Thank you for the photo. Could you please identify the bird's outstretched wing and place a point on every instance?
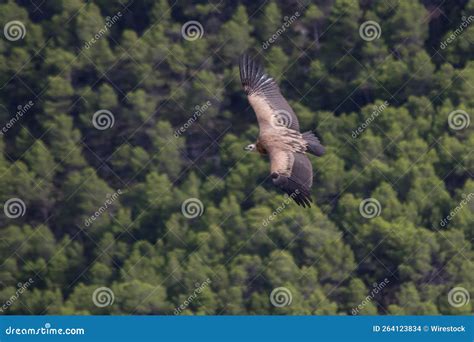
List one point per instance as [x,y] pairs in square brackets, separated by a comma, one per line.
[293,173]
[264,95]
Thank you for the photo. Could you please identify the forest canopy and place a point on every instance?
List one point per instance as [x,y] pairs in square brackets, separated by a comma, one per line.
[126,190]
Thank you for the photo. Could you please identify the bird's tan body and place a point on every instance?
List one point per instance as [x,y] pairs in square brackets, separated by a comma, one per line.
[280,140]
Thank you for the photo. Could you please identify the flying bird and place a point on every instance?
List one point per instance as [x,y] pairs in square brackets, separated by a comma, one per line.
[279,133]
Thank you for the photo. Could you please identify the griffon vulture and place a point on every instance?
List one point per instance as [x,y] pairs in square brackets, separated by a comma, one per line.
[279,135]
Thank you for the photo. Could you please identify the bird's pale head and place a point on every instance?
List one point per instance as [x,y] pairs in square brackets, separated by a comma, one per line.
[250,148]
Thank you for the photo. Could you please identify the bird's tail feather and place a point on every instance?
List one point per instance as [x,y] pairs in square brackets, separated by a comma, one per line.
[314,145]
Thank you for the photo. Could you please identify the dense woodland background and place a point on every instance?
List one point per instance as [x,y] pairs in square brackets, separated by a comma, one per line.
[143,71]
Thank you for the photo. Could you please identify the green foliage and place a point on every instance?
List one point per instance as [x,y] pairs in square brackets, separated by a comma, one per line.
[104,208]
